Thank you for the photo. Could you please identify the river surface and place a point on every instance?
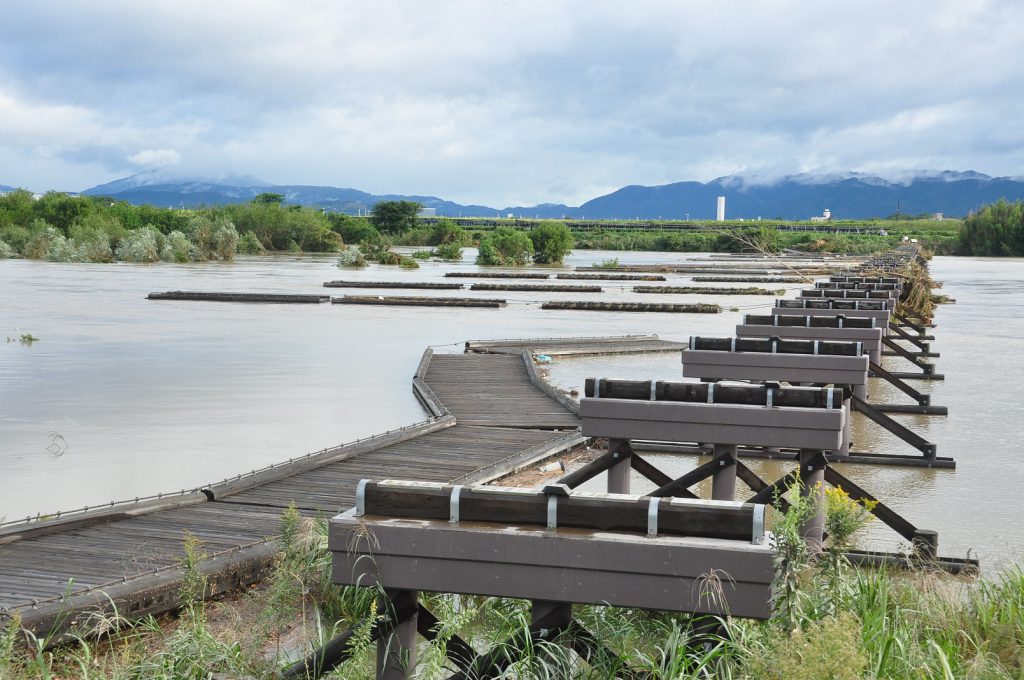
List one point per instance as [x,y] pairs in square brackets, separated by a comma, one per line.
[124,397]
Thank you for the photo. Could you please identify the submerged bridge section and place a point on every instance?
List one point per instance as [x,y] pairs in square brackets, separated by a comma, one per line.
[489,415]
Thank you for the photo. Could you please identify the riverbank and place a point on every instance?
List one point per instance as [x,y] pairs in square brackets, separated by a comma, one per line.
[869,624]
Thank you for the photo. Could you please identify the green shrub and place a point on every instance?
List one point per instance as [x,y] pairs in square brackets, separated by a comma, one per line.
[423,254]
[394,217]
[248,244]
[389,258]
[142,245]
[830,649]
[997,229]
[6,251]
[447,232]
[16,237]
[352,229]
[552,241]
[450,252]
[505,246]
[375,246]
[408,263]
[351,257]
[177,248]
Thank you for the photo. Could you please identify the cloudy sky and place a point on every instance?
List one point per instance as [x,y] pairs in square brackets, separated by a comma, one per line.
[506,102]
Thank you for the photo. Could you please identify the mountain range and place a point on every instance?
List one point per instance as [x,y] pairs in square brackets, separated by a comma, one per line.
[847,195]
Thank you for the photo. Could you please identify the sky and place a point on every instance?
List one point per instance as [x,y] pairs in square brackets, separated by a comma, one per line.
[506,102]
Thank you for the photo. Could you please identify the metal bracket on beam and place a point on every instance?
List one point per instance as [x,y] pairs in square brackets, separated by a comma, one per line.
[453,506]
[361,497]
[757,537]
[652,517]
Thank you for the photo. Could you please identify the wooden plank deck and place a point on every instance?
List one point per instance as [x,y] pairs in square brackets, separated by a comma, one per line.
[52,570]
[623,344]
[468,385]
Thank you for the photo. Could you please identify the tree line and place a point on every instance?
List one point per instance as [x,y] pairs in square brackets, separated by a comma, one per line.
[67,228]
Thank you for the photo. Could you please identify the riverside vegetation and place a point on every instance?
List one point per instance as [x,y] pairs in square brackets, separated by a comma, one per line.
[831,621]
[65,228]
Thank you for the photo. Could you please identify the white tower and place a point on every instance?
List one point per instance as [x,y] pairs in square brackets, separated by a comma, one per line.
[721,209]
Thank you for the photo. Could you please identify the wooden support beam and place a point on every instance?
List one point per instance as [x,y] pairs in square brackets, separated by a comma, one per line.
[918,341]
[458,651]
[883,512]
[769,493]
[689,479]
[598,655]
[753,395]
[921,398]
[334,653]
[777,346]
[593,468]
[645,468]
[756,484]
[527,507]
[545,624]
[917,441]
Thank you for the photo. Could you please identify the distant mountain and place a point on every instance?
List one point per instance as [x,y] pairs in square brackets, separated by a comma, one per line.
[847,195]
[4,188]
[851,196]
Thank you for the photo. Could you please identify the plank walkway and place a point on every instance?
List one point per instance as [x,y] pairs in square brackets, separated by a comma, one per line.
[622,344]
[494,418]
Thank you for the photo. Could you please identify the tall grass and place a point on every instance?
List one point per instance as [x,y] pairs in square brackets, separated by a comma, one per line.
[883,624]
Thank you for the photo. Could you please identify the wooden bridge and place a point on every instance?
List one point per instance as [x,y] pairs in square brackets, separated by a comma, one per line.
[489,415]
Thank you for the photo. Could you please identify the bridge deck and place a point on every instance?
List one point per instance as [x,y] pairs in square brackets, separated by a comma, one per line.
[494,390]
[501,418]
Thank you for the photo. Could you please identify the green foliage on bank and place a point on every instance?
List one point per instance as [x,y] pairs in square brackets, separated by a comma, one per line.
[65,228]
[831,621]
[505,247]
[394,217]
[996,230]
[552,241]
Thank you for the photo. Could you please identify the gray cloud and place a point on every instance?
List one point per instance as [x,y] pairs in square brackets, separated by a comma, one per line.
[510,102]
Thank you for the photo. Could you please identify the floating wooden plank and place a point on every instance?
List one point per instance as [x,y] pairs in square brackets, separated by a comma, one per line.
[497,275]
[412,285]
[613,277]
[404,301]
[275,298]
[698,290]
[749,279]
[553,288]
[580,346]
[700,308]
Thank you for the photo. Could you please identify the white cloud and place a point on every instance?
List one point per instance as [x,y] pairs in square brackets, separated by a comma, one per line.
[521,101]
[155,158]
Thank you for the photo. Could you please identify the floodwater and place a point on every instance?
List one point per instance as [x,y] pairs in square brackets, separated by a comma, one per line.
[123,396]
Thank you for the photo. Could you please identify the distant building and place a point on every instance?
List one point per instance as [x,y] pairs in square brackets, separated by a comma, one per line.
[720,216]
[938,216]
[427,212]
[825,216]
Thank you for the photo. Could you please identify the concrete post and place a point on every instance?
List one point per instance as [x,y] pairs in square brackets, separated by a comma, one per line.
[812,483]
[723,482]
[875,357]
[861,391]
[618,474]
[396,651]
